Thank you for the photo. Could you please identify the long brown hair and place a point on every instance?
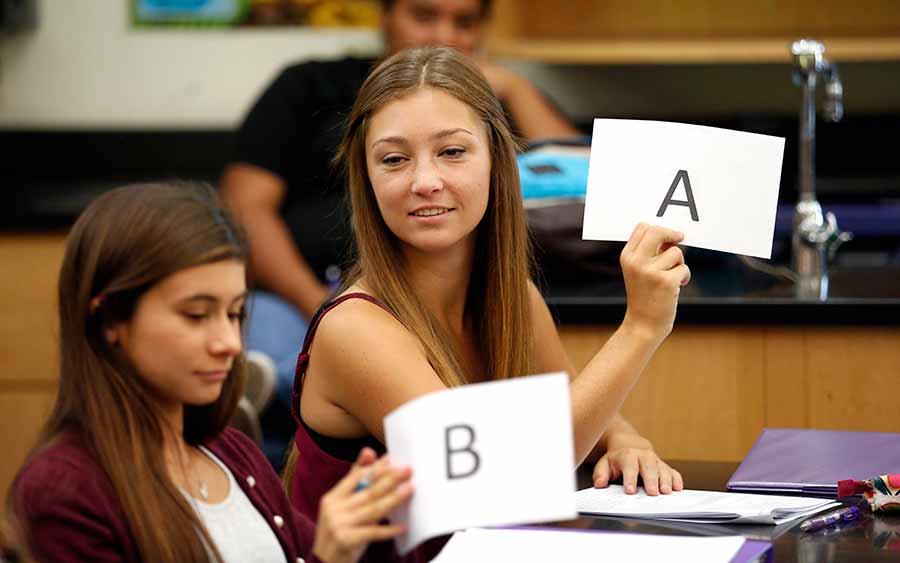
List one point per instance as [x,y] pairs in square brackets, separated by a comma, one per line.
[497,301]
[125,242]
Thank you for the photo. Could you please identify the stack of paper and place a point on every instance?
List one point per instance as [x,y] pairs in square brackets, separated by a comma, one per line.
[574,546]
[706,507]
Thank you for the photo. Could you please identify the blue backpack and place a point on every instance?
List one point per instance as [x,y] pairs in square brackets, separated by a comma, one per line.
[554,176]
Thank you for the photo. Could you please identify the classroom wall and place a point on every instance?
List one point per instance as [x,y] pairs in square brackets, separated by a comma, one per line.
[86,67]
[704,90]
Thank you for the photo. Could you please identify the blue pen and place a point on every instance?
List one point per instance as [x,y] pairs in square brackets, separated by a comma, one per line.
[841,515]
[364,483]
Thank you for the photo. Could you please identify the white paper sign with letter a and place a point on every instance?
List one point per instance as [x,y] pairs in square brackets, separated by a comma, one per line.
[486,454]
[719,187]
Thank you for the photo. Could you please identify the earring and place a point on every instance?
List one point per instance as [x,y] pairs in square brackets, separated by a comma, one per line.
[111,337]
[95,304]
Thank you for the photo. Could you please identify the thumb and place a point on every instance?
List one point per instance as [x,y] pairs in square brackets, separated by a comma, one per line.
[366,456]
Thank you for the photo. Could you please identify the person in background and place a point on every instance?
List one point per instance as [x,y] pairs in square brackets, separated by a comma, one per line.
[282,188]
[135,462]
[441,292]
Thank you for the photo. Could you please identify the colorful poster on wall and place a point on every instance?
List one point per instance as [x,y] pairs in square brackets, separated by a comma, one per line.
[227,13]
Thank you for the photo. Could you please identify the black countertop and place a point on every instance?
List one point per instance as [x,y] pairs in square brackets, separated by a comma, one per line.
[727,289]
[49,176]
[737,311]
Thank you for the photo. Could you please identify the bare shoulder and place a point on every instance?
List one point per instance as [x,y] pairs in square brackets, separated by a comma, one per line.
[359,337]
[359,321]
[540,314]
[534,294]
[364,361]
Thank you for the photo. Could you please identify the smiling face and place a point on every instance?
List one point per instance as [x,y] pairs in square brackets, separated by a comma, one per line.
[429,164]
[186,332]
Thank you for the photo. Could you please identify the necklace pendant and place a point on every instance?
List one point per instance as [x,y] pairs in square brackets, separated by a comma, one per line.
[204,492]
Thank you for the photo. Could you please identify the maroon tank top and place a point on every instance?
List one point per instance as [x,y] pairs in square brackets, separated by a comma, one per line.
[317,471]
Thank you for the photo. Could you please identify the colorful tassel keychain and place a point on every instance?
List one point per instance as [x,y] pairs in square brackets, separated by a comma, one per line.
[882,492]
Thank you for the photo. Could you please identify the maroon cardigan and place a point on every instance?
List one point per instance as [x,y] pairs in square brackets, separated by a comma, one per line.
[69,507]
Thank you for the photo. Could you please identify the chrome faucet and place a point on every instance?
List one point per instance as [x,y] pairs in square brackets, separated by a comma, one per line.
[815,237]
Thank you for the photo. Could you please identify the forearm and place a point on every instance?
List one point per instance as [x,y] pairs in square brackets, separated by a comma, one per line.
[278,266]
[534,116]
[601,388]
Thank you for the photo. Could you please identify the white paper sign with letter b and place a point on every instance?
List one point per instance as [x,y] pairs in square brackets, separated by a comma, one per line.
[717,186]
[488,454]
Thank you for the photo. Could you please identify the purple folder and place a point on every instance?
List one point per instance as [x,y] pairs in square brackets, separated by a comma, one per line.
[754,551]
[813,461]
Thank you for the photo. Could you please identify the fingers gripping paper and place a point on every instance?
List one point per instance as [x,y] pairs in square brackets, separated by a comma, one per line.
[472,452]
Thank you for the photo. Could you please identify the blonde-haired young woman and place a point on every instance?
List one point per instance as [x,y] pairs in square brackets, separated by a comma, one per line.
[441,293]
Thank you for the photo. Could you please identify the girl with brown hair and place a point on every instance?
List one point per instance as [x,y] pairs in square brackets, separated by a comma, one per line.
[441,293]
[136,462]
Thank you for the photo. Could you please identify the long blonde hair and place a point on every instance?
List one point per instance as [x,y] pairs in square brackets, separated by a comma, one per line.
[124,243]
[497,301]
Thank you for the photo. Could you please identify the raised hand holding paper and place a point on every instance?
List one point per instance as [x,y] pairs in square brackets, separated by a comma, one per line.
[717,186]
[471,450]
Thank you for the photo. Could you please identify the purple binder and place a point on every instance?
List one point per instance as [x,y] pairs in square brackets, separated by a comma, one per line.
[754,551]
[813,461]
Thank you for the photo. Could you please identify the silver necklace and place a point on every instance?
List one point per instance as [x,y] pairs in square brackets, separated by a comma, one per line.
[202,489]
[201,484]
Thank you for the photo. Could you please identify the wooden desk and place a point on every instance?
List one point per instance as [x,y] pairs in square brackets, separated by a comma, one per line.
[745,355]
[29,265]
[870,539]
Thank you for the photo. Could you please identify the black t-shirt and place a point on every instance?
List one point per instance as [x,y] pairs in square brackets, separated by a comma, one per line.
[293,130]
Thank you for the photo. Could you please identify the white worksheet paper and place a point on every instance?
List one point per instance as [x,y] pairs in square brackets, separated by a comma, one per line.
[734,178]
[572,546]
[526,454]
[708,507]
